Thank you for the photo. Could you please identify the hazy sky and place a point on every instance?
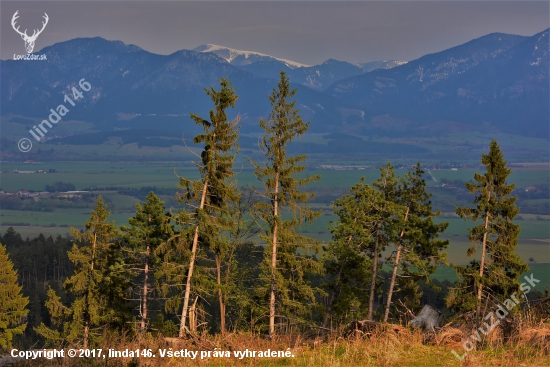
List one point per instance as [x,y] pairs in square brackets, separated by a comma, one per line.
[304,31]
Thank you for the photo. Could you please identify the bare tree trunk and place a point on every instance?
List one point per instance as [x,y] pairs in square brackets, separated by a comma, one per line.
[220,295]
[482,263]
[274,259]
[86,334]
[374,273]
[193,316]
[191,267]
[395,267]
[392,283]
[145,290]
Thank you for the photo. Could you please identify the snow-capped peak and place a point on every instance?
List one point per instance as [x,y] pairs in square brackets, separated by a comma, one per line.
[233,56]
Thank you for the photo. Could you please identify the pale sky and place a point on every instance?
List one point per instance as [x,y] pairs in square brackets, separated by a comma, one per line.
[308,32]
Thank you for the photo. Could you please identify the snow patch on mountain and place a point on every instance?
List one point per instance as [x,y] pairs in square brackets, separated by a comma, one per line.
[231,54]
[382,64]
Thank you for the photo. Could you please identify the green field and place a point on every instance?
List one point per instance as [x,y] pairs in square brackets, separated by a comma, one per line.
[522,178]
[531,228]
[535,229]
[533,243]
[163,175]
[540,272]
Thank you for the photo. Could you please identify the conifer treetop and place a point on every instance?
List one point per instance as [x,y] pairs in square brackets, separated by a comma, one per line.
[496,274]
[281,128]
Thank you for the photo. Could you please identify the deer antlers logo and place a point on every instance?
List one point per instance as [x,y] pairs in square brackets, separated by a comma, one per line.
[29,40]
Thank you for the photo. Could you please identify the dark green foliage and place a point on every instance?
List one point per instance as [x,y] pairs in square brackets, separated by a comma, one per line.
[149,229]
[366,225]
[417,240]
[12,239]
[209,212]
[390,215]
[60,187]
[394,211]
[40,262]
[285,272]
[236,263]
[495,276]
[98,287]
[351,254]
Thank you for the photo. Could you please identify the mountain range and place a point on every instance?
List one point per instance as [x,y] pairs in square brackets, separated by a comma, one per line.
[317,77]
[498,82]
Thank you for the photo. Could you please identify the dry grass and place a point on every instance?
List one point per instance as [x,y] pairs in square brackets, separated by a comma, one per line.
[538,337]
[383,346]
[449,337]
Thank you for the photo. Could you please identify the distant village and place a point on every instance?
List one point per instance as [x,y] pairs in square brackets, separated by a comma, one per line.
[28,171]
[33,193]
[339,167]
[30,194]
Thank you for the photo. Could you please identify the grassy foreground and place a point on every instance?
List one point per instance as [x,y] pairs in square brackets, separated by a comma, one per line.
[395,346]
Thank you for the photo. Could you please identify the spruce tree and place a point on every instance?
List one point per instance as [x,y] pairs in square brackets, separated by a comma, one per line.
[418,248]
[12,303]
[98,291]
[12,238]
[149,228]
[387,219]
[211,195]
[495,276]
[285,271]
[354,252]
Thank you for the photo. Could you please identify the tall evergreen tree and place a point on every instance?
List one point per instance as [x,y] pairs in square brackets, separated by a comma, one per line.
[12,239]
[389,213]
[496,275]
[98,291]
[419,249]
[285,271]
[12,303]
[354,252]
[149,228]
[211,196]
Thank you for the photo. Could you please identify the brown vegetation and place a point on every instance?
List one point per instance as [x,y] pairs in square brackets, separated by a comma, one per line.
[370,344]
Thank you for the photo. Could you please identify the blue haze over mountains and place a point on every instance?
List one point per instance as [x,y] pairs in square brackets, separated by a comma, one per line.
[496,83]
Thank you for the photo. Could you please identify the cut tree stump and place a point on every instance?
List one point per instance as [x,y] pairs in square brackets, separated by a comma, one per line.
[428,319]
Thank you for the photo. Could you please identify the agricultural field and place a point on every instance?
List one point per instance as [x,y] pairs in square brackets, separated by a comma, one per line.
[109,168]
[107,179]
[97,174]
